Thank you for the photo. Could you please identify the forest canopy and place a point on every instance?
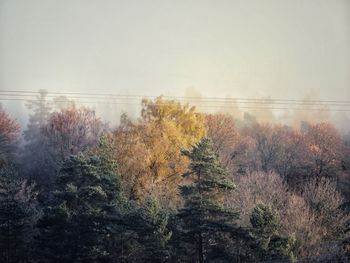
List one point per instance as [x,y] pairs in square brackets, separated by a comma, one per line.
[174,185]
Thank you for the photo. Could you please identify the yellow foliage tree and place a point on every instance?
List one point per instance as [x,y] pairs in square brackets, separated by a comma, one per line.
[148,151]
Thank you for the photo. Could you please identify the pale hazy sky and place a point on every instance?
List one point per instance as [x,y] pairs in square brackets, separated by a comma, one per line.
[275,48]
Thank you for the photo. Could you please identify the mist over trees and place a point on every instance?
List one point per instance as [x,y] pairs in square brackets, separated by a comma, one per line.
[174,185]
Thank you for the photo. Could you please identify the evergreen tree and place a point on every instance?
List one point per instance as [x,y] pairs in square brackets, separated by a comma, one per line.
[78,224]
[153,232]
[18,214]
[41,111]
[90,220]
[38,166]
[271,245]
[204,221]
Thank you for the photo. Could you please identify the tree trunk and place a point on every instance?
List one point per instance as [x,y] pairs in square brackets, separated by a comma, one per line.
[200,248]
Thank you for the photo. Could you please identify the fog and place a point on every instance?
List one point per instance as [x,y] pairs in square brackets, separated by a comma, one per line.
[228,49]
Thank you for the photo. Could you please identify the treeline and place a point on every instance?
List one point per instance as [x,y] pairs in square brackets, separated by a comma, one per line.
[173,186]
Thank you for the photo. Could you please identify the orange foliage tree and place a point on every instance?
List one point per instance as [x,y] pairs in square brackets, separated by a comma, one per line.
[325,149]
[9,134]
[235,150]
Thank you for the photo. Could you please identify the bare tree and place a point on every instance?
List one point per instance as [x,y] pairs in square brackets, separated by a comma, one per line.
[325,201]
[325,149]
[72,130]
[235,150]
[296,216]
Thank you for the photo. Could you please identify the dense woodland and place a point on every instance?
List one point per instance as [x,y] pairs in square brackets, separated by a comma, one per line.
[175,185]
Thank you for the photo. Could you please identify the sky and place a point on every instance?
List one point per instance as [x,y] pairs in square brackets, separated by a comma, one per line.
[263,48]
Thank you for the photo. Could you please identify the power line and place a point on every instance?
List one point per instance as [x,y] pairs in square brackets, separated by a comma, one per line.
[233,99]
[199,106]
[214,102]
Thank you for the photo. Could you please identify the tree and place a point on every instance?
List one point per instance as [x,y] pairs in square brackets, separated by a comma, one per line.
[150,222]
[90,220]
[221,130]
[9,134]
[265,224]
[267,144]
[148,151]
[325,149]
[68,131]
[265,229]
[281,149]
[72,130]
[325,201]
[132,155]
[295,215]
[62,102]
[37,166]
[18,215]
[41,112]
[77,225]
[235,150]
[299,221]
[203,218]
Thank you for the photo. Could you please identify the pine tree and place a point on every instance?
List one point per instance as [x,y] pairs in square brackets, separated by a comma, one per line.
[18,214]
[153,232]
[90,219]
[271,245]
[78,224]
[41,112]
[38,166]
[204,221]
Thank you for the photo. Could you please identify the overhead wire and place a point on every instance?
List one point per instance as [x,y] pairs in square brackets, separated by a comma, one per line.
[175,97]
[203,102]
